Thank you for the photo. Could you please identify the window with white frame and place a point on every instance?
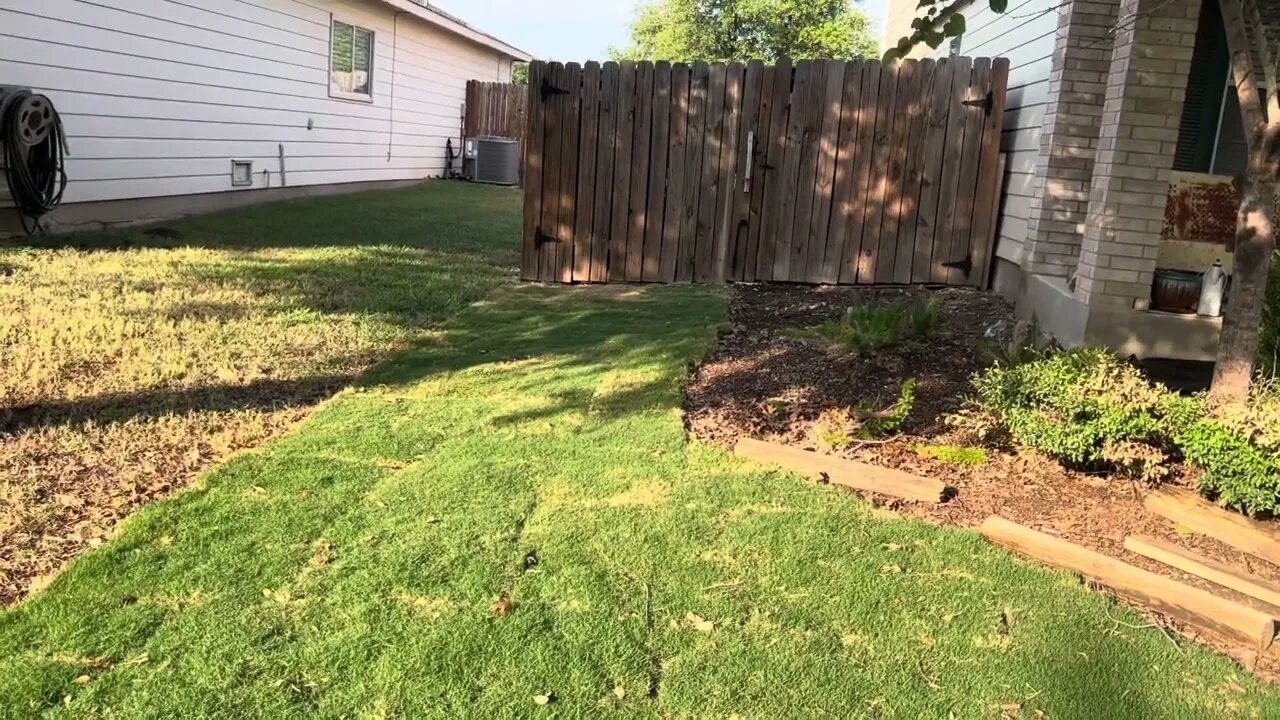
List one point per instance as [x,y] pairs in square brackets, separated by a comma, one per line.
[350,62]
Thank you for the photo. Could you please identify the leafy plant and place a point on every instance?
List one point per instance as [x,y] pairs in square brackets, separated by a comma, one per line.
[1074,405]
[1238,448]
[954,454]
[835,429]
[867,328]
[1088,407]
[879,423]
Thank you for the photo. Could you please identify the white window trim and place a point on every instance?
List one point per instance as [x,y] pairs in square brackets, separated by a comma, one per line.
[373,53]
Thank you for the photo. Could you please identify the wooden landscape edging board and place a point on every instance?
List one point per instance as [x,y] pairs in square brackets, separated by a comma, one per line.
[824,172]
[1198,515]
[1191,605]
[1207,568]
[846,473]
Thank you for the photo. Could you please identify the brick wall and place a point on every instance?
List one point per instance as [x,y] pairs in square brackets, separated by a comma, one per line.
[1141,112]
[1069,138]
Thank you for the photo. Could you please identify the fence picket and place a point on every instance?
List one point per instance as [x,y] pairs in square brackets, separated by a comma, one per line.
[548,270]
[673,213]
[927,230]
[877,196]
[569,167]
[990,176]
[906,94]
[659,149]
[952,155]
[771,202]
[687,261]
[618,247]
[589,134]
[821,259]
[845,164]
[602,203]
[642,137]
[533,179]
[867,115]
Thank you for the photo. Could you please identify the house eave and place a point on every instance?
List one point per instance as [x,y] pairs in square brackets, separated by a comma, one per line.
[453,25]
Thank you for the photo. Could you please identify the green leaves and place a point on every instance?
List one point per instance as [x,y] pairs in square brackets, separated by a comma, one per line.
[954,26]
[999,6]
[736,30]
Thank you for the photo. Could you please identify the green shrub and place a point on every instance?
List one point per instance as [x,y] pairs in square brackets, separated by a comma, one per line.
[1075,406]
[1238,450]
[868,328]
[1088,407]
[954,454]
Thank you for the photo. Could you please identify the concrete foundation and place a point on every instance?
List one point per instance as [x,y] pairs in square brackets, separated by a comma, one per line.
[142,211]
[1143,334]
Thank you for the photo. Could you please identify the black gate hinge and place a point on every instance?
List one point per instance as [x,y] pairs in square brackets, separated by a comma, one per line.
[548,90]
[987,104]
[965,265]
[540,238]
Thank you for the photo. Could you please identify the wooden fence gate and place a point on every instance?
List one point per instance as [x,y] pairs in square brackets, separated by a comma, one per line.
[825,172]
[500,109]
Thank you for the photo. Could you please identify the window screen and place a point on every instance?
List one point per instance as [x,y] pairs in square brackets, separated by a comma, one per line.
[351,60]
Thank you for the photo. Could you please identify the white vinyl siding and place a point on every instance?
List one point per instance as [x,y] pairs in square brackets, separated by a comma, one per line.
[158,96]
[1026,35]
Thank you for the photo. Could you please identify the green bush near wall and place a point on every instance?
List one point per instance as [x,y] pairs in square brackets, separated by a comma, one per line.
[1269,340]
[1088,408]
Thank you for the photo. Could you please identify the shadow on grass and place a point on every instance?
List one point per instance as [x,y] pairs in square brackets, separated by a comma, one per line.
[123,407]
[440,215]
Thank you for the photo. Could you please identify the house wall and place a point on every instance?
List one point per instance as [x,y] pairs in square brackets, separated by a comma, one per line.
[158,96]
[1024,35]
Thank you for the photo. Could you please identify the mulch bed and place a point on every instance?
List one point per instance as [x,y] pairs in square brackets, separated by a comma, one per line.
[757,362]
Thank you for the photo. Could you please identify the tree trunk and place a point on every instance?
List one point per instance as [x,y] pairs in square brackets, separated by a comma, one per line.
[1255,238]
[1255,241]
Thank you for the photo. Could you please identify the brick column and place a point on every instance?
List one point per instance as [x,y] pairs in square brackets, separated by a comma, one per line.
[1069,137]
[1140,116]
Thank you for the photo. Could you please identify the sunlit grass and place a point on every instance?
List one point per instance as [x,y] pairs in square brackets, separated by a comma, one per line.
[512,514]
[133,359]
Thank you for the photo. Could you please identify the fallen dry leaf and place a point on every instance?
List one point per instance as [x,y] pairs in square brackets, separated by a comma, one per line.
[82,680]
[619,692]
[503,606]
[542,699]
[699,623]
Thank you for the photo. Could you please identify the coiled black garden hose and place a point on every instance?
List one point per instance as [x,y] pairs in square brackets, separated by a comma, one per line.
[35,147]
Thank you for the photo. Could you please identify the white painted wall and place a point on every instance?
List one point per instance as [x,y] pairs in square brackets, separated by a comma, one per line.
[158,96]
[1026,36]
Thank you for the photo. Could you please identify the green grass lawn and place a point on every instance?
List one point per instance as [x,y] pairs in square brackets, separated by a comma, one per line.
[131,360]
[513,511]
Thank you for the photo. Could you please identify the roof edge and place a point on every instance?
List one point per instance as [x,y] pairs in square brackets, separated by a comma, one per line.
[439,18]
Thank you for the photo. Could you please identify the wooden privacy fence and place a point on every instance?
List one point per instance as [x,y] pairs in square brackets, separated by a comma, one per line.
[500,109]
[825,172]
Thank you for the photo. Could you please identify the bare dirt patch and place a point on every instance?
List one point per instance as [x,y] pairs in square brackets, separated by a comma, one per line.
[761,383]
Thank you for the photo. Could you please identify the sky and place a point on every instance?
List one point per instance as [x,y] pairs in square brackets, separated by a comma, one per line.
[568,30]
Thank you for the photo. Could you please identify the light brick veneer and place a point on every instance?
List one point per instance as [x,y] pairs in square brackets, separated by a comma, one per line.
[1142,109]
[1069,137]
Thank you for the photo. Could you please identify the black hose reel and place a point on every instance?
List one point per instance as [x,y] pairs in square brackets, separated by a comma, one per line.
[35,147]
